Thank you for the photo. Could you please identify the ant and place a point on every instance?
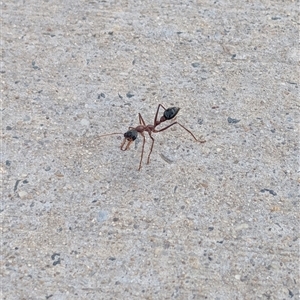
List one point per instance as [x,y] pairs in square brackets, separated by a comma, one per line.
[132,133]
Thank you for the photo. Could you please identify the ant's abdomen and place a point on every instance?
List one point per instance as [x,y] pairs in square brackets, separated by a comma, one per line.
[171,112]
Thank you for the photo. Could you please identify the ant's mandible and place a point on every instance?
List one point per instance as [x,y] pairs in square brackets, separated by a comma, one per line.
[132,133]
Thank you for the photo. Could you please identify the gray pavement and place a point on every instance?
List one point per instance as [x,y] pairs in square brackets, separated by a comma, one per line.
[218,220]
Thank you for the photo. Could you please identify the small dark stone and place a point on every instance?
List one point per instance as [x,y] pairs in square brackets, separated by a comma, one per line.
[16,185]
[270,191]
[101,95]
[200,121]
[56,262]
[47,168]
[112,258]
[25,181]
[115,219]
[232,121]
[8,163]
[291,294]
[195,65]
[129,95]
[34,66]
[110,32]
[211,228]
[8,128]
[53,256]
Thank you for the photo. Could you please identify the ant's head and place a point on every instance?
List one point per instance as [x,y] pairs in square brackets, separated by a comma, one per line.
[131,135]
[171,112]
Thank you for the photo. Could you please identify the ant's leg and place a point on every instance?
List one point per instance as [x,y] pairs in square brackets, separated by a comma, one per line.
[142,122]
[183,128]
[148,160]
[144,140]
[155,119]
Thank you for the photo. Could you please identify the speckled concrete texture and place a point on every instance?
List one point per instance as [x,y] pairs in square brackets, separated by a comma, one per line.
[218,220]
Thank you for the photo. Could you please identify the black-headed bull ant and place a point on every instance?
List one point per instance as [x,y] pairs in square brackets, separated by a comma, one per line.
[132,133]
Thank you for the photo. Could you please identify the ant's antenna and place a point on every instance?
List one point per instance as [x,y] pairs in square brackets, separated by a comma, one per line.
[111,134]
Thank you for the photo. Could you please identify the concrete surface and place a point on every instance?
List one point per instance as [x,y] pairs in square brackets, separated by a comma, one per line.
[218,220]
